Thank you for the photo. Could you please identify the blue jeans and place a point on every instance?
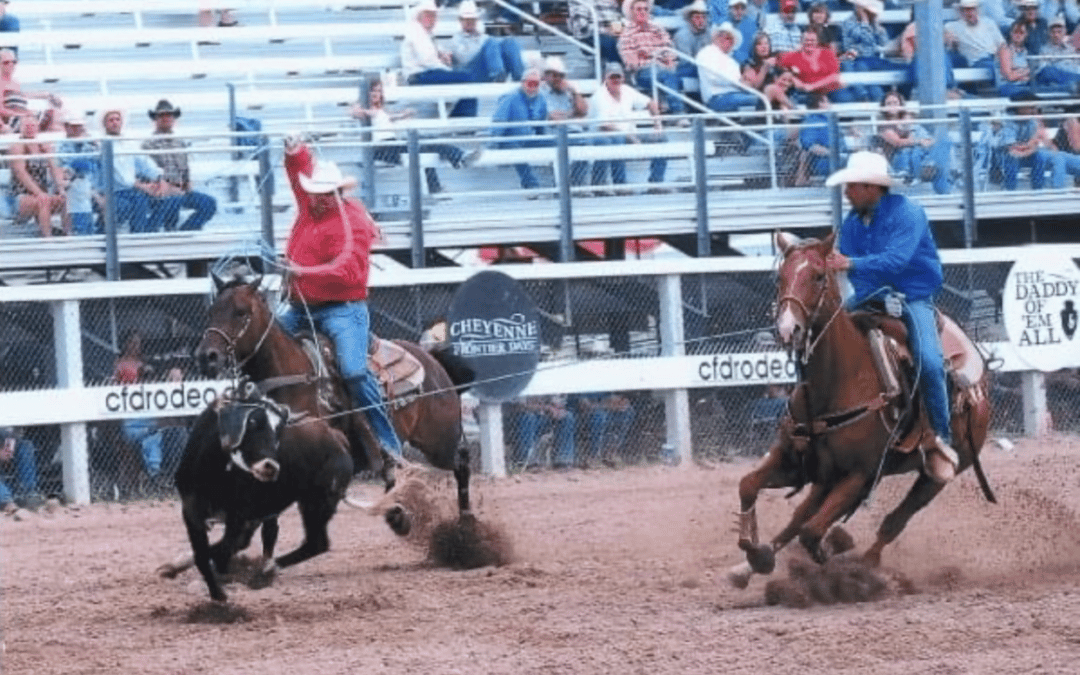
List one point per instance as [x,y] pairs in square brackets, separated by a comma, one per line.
[578,169]
[1057,78]
[347,326]
[643,80]
[497,58]
[1039,162]
[166,211]
[133,206]
[465,107]
[25,464]
[657,166]
[143,433]
[531,425]
[912,159]
[83,223]
[733,100]
[600,420]
[1063,164]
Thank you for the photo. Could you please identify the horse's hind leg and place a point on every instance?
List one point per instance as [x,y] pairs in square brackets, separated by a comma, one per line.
[922,493]
[462,473]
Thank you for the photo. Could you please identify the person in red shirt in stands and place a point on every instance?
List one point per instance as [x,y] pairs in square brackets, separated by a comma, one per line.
[328,262]
[816,69]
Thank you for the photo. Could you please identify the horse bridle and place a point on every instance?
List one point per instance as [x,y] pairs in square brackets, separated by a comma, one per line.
[230,341]
[811,317]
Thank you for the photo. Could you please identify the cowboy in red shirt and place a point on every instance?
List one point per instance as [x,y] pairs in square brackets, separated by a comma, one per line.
[328,254]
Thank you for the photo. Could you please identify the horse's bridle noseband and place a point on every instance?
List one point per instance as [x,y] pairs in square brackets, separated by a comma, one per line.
[230,341]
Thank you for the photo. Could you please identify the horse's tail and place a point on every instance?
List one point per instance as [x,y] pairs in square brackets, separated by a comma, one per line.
[461,374]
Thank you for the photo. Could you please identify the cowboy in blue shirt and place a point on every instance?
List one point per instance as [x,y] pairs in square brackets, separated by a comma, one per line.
[886,247]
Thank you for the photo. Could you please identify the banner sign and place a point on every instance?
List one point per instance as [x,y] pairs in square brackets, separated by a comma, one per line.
[1039,303]
[495,326]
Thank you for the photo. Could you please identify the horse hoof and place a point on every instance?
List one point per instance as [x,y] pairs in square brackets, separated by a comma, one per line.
[761,558]
[263,578]
[398,520]
[739,575]
[167,571]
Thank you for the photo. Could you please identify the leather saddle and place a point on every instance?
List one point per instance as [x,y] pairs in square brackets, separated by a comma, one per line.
[398,371]
[964,365]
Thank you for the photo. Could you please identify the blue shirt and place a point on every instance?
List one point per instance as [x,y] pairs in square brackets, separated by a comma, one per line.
[517,107]
[897,250]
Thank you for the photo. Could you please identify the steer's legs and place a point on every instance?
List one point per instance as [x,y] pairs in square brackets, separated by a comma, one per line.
[200,548]
[462,473]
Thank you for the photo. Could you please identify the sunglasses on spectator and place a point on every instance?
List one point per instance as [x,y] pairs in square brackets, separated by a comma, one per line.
[5,62]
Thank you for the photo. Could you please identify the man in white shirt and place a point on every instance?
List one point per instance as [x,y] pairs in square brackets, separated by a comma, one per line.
[138,183]
[718,73]
[617,107]
[482,57]
[975,37]
[423,63]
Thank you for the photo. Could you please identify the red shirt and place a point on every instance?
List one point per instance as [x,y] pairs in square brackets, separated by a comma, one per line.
[810,71]
[326,265]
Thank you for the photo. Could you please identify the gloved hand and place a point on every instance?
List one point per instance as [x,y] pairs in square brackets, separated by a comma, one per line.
[894,304]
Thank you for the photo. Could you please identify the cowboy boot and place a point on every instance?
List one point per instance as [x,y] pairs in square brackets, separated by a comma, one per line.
[942,461]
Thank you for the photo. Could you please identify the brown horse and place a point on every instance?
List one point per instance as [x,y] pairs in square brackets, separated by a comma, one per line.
[853,418]
[244,335]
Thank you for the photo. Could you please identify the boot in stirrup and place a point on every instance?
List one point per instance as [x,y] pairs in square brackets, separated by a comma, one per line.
[942,461]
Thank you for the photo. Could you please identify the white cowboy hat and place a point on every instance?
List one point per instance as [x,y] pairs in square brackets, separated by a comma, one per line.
[875,7]
[424,6]
[468,10]
[732,3]
[325,177]
[69,116]
[735,34]
[697,6]
[968,3]
[863,167]
[554,64]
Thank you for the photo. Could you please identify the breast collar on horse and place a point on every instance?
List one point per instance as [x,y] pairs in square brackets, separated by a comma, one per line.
[803,433]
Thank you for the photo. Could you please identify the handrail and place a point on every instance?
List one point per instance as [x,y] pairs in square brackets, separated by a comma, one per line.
[555,31]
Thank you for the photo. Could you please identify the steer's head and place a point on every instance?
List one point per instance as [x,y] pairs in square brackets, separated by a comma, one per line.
[250,434]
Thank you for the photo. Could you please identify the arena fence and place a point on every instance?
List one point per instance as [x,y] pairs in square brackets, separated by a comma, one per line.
[642,361]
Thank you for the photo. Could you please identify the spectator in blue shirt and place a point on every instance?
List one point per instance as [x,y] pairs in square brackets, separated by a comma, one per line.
[523,105]
[8,24]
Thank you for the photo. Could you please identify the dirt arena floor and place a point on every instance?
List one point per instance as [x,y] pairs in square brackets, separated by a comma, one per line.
[612,572]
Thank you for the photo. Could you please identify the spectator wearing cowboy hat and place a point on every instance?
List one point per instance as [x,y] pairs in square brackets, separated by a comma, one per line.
[82,165]
[691,36]
[746,24]
[138,183]
[177,174]
[720,74]
[480,56]
[863,39]
[422,62]
[328,254]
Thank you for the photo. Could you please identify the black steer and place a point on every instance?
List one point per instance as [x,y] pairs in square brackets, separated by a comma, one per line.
[245,463]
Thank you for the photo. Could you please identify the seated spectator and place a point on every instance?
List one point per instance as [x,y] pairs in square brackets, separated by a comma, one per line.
[14,101]
[178,193]
[691,35]
[815,142]
[141,432]
[38,187]
[607,418]
[1060,67]
[534,416]
[389,147]
[863,41]
[615,108]
[816,69]
[908,49]
[82,168]
[564,102]
[423,63]
[225,18]
[746,24]
[1024,142]
[608,14]
[909,146]
[8,24]
[778,91]
[784,33]
[520,106]
[1012,70]
[138,183]
[719,74]
[645,45]
[1038,31]
[818,17]
[482,57]
[757,70]
[976,38]
[18,457]
[1066,158]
